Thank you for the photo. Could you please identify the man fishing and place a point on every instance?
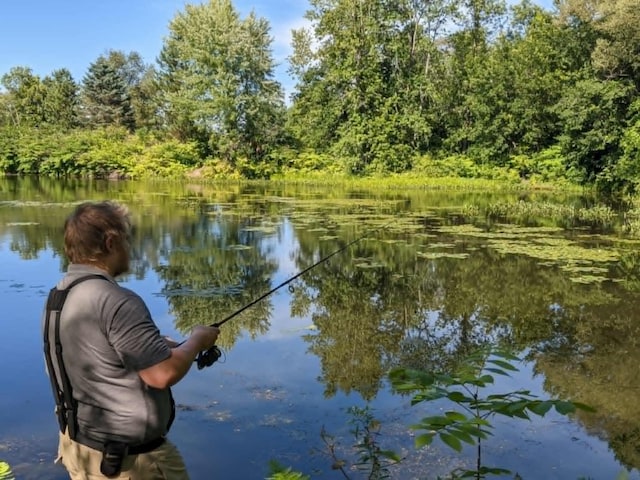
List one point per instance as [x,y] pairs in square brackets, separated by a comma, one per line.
[110,369]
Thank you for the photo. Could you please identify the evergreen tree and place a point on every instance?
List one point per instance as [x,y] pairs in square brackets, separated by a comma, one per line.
[140,79]
[105,99]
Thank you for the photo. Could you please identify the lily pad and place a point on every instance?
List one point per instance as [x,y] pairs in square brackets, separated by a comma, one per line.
[435,255]
[239,247]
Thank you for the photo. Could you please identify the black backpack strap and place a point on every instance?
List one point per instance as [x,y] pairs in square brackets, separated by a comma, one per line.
[66,406]
[172,416]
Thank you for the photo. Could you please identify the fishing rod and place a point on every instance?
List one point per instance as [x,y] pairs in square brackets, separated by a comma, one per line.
[209,357]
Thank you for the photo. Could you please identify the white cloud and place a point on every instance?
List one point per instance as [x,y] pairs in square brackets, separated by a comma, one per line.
[281,32]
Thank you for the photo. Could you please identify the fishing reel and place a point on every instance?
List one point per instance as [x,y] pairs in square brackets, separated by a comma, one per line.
[208,357]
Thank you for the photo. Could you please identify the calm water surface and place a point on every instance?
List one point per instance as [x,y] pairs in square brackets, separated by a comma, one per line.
[430,279]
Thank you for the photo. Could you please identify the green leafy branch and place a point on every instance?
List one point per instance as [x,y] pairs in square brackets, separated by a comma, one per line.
[5,471]
[371,458]
[469,424]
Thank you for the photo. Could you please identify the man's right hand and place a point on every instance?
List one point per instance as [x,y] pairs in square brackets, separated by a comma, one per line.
[170,371]
[206,336]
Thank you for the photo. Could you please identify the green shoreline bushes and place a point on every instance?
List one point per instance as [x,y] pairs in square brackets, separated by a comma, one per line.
[108,152]
[113,152]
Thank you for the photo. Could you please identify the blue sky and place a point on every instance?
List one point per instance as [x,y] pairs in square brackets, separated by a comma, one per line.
[46,35]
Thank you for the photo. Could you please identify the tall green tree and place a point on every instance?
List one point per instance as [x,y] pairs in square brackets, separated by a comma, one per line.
[366,71]
[24,103]
[105,98]
[146,100]
[470,93]
[60,99]
[627,170]
[617,52]
[593,113]
[216,72]
[5,110]
[506,104]
[546,57]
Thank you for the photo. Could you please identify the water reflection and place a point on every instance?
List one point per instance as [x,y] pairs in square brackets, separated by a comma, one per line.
[214,268]
[422,288]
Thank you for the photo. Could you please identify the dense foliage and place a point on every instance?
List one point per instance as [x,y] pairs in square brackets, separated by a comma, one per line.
[439,88]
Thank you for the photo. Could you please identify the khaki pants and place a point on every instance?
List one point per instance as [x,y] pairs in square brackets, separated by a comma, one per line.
[83,463]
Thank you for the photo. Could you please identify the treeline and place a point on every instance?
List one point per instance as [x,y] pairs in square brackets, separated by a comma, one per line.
[433,87]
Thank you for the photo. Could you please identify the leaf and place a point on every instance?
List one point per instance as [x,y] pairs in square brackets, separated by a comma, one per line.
[425,379]
[451,441]
[435,422]
[506,355]
[585,407]
[564,408]
[455,416]
[5,471]
[486,379]
[466,474]
[493,471]
[390,454]
[482,472]
[503,364]
[540,408]
[514,409]
[473,430]
[465,436]
[500,396]
[496,371]
[428,395]
[521,414]
[424,439]
[445,379]
[459,397]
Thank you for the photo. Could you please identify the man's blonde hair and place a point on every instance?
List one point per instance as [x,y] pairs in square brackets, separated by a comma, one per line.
[86,230]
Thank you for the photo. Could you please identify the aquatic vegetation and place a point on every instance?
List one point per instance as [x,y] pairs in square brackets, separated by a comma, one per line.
[631,221]
[436,255]
[544,244]
[442,245]
[267,229]
[239,247]
[407,181]
[280,472]
[561,251]
[498,231]
[5,471]
[521,210]
[360,262]
[587,279]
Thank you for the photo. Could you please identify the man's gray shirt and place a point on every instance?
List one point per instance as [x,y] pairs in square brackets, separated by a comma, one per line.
[107,337]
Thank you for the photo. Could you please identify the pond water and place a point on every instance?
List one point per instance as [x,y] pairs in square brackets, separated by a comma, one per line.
[428,278]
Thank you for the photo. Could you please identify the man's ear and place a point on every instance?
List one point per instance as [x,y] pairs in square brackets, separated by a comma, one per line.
[110,242]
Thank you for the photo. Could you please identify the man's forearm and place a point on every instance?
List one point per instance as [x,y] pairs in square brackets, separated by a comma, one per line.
[170,371]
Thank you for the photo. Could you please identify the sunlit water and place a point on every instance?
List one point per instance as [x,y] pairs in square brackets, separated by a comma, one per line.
[421,285]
